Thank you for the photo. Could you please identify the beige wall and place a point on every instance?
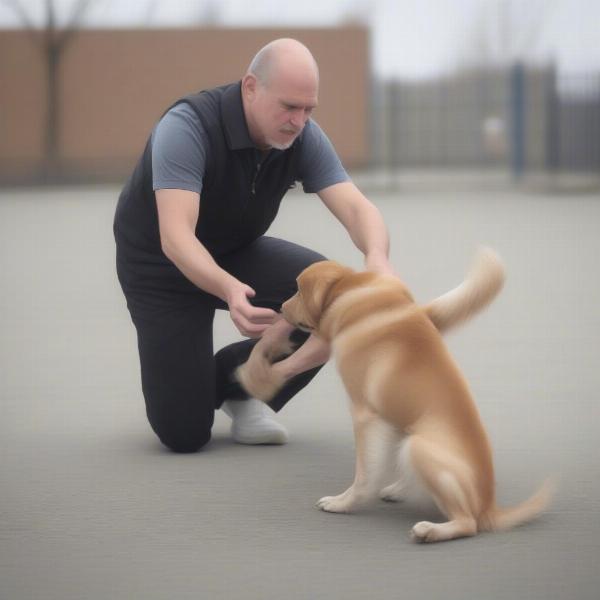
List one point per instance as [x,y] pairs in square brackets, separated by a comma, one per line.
[22,101]
[115,84]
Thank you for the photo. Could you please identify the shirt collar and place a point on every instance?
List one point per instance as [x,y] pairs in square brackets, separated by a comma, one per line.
[234,120]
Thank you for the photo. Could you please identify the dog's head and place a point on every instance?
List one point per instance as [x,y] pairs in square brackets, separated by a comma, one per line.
[316,291]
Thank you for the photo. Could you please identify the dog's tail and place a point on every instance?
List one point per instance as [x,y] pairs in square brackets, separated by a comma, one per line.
[482,284]
[505,518]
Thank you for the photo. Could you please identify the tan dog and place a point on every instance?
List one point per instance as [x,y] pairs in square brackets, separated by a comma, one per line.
[408,397]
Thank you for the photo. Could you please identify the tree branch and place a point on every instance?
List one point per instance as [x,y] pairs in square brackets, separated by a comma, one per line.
[26,21]
[72,25]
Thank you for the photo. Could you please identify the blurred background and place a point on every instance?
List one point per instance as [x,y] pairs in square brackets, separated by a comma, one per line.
[503,87]
[466,122]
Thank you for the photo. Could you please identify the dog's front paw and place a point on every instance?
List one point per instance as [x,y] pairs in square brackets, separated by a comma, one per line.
[259,378]
[275,343]
[336,504]
[282,349]
[423,532]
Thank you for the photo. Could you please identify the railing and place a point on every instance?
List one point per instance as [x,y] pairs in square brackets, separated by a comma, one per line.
[519,118]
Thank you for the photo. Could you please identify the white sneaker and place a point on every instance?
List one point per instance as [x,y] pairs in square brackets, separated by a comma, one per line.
[252,422]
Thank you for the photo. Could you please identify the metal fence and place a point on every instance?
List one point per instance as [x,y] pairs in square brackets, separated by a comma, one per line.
[574,124]
[521,118]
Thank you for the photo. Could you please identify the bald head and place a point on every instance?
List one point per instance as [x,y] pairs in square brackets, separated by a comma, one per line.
[279,92]
[280,56]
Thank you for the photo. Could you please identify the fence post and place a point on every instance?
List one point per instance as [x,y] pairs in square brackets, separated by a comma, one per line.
[376,109]
[517,109]
[393,136]
[597,113]
[552,120]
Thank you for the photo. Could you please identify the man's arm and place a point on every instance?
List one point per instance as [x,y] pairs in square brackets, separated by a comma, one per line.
[178,212]
[366,228]
[363,221]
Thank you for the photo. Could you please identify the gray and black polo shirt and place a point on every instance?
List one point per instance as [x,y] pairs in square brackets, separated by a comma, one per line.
[202,144]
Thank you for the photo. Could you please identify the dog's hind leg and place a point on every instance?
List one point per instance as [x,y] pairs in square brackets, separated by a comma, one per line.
[396,492]
[376,448]
[450,483]
[405,476]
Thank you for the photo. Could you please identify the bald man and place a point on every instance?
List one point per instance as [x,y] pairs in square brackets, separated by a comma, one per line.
[189,229]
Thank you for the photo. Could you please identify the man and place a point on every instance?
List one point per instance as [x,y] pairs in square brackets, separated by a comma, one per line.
[189,230]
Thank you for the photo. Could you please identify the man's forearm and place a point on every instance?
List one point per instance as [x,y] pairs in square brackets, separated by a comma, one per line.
[361,218]
[369,233]
[196,263]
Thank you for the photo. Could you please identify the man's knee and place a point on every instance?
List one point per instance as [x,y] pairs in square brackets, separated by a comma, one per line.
[312,257]
[183,439]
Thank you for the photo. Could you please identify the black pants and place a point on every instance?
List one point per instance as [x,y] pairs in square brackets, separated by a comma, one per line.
[183,381]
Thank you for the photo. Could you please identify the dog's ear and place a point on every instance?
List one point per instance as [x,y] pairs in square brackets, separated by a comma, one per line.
[316,285]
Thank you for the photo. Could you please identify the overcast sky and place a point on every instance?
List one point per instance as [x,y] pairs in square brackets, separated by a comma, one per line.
[410,38]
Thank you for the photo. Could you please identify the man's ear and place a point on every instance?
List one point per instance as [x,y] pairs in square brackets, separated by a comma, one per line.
[249,85]
[316,285]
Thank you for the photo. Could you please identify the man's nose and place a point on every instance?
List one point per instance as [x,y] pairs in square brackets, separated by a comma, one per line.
[298,118]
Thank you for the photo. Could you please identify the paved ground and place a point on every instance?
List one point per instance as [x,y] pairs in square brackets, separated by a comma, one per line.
[92,507]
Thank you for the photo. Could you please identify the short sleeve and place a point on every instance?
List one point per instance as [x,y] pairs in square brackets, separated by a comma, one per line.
[179,145]
[319,166]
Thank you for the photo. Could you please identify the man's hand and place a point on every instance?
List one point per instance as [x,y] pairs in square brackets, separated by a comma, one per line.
[250,321]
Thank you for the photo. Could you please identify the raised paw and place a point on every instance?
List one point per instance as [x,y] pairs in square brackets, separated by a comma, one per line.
[259,378]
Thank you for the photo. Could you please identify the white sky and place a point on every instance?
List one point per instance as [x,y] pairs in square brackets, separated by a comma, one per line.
[410,38]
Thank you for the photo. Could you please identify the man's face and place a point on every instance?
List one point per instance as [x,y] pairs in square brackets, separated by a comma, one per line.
[278,111]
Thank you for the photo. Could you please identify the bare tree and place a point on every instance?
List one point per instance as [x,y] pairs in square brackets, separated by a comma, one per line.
[208,13]
[506,31]
[357,12]
[52,42]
